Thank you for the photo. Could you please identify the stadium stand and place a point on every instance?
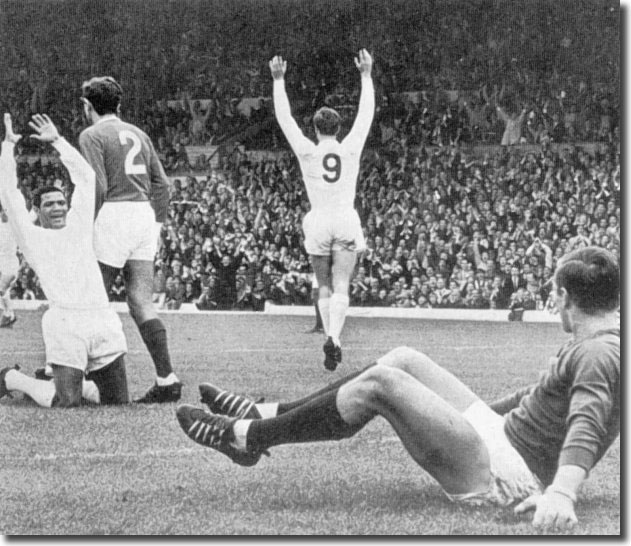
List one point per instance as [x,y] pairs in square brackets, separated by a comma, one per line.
[453,218]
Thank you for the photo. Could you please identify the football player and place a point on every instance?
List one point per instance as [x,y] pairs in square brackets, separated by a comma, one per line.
[132,201]
[534,447]
[9,265]
[83,335]
[333,233]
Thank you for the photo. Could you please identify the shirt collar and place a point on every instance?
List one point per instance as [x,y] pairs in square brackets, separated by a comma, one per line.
[106,117]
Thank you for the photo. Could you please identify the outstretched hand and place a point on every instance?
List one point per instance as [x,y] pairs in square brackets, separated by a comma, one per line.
[364,62]
[44,127]
[552,512]
[278,67]
[9,135]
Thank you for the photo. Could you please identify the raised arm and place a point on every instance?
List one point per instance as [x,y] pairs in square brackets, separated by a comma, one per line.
[366,110]
[10,196]
[81,173]
[298,142]
[92,150]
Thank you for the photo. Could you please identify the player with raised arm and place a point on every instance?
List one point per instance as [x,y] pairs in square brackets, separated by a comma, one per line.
[9,265]
[534,448]
[82,334]
[132,202]
[333,233]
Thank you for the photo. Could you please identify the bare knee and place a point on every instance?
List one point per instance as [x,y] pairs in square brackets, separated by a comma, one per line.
[375,385]
[402,357]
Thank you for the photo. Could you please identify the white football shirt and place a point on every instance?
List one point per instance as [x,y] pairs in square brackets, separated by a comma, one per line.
[8,245]
[329,168]
[63,259]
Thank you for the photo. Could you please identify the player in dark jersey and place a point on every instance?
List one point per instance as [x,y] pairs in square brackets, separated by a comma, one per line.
[538,454]
[131,205]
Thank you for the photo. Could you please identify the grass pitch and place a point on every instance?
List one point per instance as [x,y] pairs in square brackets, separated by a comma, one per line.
[131,470]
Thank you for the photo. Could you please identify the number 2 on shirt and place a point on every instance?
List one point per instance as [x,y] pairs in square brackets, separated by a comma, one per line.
[136,146]
[333,165]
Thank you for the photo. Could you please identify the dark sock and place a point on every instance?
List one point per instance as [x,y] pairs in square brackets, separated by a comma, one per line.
[315,421]
[284,407]
[318,323]
[154,335]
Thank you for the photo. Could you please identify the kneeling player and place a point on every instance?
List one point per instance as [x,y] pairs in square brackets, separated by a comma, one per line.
[83,335]
[542,449]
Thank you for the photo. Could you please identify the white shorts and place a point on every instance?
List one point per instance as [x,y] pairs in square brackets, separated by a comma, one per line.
[511,479]
[9,264]
[327,231]
[85,339]
[125,230]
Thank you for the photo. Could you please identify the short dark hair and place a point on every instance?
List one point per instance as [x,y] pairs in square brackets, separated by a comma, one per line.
[327,121]
[591,277]
[104,94]
[37,195]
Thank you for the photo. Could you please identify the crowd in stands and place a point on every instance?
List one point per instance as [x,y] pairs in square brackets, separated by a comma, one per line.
[445,72]
[445,226]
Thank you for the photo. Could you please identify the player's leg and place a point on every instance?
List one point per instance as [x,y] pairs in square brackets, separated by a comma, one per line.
[435,434]
[315,297]
[412,362]
[322,269]
[342,269]
[138,275]
[111,381]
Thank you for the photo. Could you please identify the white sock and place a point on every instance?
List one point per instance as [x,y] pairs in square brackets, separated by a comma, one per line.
[42,392]
[90,392]
[268,410]
[339,307]
[240,429]
[324,305]
[168,380]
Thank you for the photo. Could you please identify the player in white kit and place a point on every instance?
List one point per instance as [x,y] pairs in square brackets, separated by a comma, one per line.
[9,265]
[333,233]
[83,335]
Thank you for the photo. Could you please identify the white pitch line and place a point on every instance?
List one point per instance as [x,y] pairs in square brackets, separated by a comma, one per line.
[160,453]
[349,348]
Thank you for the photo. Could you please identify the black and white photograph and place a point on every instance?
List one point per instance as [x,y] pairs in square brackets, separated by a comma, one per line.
[310,268]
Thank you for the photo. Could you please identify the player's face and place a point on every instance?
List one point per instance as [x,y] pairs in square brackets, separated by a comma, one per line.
[53,210]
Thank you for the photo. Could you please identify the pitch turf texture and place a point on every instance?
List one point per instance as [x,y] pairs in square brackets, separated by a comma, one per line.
[131,470]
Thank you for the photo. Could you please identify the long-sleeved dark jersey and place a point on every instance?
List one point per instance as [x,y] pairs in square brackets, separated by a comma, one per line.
[126,164]
[572,415]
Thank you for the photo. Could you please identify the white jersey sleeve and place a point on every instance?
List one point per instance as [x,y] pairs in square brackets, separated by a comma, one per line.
[11,197]
[81,213]
[357,136]
[298,142]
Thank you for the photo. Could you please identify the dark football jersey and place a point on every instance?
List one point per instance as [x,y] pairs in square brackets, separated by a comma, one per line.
[126,164]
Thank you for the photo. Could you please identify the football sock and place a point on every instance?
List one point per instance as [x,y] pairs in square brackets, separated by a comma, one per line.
[168,380]
[42,392]
[154,335]
[317,420]
[90,392]
[318,323]
[284,407]
[268,409]
[324,306]
[339,307]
